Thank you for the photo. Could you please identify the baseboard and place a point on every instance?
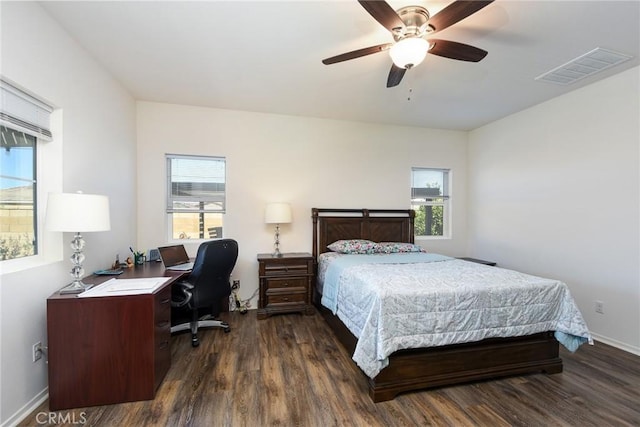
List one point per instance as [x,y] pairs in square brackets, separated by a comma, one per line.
[27,409]
[617,344]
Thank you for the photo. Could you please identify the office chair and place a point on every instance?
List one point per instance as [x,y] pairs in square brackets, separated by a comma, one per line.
[205,287]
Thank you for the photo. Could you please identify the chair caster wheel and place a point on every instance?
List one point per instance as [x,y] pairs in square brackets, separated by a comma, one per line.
[227,330]
[195,342]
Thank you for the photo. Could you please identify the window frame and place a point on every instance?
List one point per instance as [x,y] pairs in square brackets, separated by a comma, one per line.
[445,202]
[27,112]
[49,177]
[170,210]
[33,180]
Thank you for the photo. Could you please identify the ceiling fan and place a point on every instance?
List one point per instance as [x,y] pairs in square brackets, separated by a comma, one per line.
[408,26]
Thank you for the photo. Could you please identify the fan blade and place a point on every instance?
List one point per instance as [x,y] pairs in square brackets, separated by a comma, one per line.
[357,53]
[455,50]
[395,75]
[456,11]
[383,13]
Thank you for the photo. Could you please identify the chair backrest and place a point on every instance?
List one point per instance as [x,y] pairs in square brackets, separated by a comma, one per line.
[211,272]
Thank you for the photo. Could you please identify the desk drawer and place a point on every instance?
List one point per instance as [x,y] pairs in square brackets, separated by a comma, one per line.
[162,304]
[162,334]
[162,311]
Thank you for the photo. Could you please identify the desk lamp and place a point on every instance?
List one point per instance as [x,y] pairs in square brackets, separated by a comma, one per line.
[277,213]
[77,213]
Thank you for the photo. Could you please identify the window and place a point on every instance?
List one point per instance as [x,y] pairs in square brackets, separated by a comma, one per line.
[430,198]
[18,235]
[195,196]
[24,122]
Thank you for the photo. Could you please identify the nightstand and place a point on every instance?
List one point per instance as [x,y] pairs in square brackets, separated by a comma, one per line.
[285,283]
[478,261]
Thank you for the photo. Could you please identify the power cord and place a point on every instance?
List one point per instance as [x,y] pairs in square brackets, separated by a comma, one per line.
[236,303]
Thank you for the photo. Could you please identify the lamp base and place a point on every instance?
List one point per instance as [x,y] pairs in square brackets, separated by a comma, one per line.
[276,243]
[75,287]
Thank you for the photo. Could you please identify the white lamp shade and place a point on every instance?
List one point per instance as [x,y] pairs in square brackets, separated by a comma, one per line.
[77,212]
[277,213]
[409,52]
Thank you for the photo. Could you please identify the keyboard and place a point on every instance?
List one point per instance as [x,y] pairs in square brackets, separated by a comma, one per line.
[108,272]
[181,267]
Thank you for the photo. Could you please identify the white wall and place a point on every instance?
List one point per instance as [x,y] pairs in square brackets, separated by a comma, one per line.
[307,162]
[555,191]
[524,193]
[96,136]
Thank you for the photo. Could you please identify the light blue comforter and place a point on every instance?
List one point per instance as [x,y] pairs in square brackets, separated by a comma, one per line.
[339,264]
[397,301]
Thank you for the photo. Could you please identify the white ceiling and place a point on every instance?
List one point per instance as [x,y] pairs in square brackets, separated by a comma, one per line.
[265,56]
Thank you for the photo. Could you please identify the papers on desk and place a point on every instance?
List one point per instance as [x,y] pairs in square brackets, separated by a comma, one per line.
[116,287]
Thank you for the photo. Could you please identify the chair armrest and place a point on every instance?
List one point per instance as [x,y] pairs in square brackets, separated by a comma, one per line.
[185,285]
[185,295]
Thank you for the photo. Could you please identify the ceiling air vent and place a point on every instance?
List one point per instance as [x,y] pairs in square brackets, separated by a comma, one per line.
[583,66]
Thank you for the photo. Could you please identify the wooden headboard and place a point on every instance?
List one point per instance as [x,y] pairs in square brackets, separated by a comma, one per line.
[378,225]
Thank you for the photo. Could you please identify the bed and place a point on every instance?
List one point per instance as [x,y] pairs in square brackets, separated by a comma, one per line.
[425,365]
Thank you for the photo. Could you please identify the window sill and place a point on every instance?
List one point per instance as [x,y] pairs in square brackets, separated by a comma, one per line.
[421,238]
[21,264]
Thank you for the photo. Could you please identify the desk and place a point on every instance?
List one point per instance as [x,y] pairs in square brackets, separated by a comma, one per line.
[107,350]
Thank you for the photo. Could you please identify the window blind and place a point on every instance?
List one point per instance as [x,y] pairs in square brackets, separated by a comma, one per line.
[196,184]
[428,185]
[24,112]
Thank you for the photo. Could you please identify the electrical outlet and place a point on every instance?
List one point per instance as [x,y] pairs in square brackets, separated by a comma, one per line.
[599,305]
[36,351]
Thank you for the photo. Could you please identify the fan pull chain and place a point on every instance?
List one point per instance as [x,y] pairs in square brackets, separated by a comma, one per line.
[409,82]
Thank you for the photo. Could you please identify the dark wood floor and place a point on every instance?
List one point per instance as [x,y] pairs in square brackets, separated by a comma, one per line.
[289,370]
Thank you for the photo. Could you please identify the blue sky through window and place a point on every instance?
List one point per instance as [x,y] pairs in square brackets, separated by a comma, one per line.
[16,167]
[427,178]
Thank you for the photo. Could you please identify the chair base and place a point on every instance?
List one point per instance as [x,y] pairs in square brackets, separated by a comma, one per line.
[205,322]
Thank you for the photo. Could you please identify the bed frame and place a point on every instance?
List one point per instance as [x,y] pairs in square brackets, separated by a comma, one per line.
[416,369]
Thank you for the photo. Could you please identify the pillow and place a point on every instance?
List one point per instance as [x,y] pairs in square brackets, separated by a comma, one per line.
[354,246]
[398,247]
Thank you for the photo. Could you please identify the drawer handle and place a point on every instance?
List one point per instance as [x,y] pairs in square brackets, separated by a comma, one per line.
[163,344]
[286,298]
[163,323]
[165,301]
[285,284]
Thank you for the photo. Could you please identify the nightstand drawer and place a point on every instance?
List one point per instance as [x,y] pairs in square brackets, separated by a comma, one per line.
[286,298]
[291,268]
[287,283]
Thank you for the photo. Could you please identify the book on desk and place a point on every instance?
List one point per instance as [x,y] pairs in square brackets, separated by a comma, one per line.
[114,287]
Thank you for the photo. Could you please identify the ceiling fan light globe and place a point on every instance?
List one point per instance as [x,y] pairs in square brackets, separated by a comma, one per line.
[409,52]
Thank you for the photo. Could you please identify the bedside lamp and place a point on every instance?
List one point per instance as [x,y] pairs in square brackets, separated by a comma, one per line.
[77,213]
[277,213]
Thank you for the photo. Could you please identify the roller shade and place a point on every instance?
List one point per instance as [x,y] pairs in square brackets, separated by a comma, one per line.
[196,184]
[428,185]
[24,112]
